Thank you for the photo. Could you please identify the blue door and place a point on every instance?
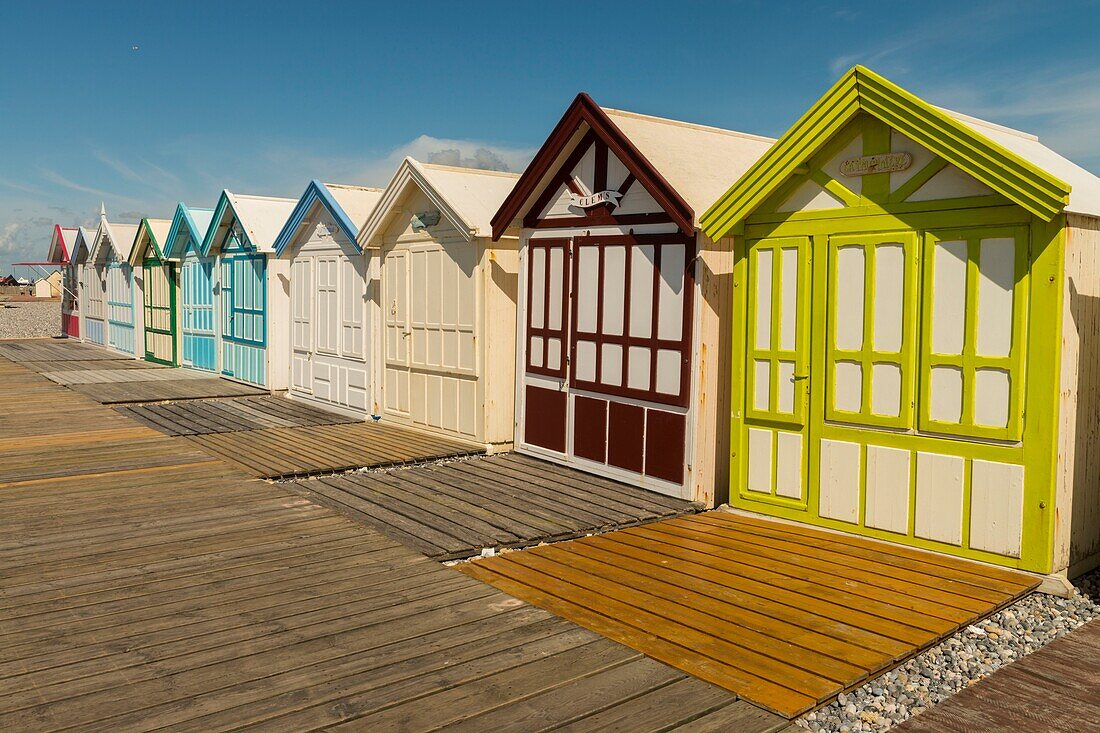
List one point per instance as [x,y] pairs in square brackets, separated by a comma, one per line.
[197,312]
[120,307]
[244,317]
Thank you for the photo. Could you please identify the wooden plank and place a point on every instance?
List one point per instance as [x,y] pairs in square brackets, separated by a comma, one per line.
[147,585]
[816,619]
[1048,691]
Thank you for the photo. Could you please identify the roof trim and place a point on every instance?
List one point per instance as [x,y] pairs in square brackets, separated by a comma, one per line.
[410,171]
[315,192]
[181,218]
[135,252]
[57,241]
[584,109]
[862,90]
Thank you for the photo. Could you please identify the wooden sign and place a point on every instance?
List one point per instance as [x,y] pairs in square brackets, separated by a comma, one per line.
[868,164]
[595,199]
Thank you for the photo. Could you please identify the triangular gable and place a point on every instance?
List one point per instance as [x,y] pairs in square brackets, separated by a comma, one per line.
[62,244]
[863,91]
[259,220]
[190,223]
[465,197]
[545,175]
[317,194]
[151,236]
[82,248]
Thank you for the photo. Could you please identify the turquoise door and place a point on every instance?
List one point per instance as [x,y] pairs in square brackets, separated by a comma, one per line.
[244,317]
[197,312]
[120,307]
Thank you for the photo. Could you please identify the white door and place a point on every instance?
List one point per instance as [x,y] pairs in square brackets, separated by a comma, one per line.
[397,332]
[301,309]
[326,374]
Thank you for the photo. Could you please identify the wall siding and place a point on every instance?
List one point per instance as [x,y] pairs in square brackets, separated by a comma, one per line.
[1077,522]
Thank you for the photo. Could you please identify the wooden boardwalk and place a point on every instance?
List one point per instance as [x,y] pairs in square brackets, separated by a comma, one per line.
[784,615]
[148,587]
[68,377]
[178,389]
[1055,689]
[453,510]
[21,350]
[203,417]
[278,453]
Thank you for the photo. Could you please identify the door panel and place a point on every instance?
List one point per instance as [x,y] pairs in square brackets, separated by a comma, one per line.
[396,306]
[777,383]
[301,324]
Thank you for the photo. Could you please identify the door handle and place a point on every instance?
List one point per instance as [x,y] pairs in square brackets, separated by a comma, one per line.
[799,377]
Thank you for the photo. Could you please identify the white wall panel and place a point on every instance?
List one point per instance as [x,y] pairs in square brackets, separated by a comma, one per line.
[785,386]
[849,386]
[838,493]
[996,279]
[760,460]
[611,364]
[991,395]
[946,397]
[641,291]
[762,384]
[788,313]
[939,507]
[810,197]
[996,507]
[950,183]
[638,367]
[887,504]
[668,371]
[949,297]
[763,294]
[886,389]
[788,465]
[670,302]
[850,272]
[614,289]
[889,297]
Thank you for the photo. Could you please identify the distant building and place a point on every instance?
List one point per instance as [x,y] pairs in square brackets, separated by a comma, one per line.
[49,286]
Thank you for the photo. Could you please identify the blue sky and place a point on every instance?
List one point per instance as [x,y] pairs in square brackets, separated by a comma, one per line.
[143,104]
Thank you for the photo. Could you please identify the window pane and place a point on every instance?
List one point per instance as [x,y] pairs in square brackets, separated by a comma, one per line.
[614,289]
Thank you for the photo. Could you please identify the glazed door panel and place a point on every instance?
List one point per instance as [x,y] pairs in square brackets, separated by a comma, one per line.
[159,302]
[301,325]
[396,331]
[120,307]
[197,313]
[617,399]
[244,310]
[774,440]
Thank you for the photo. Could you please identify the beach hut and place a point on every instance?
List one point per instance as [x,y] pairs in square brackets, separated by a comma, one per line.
[328,312]
[113,291]
[158,275]
[444,327]
[253,292]
[63,248]
[918,290]
[183,246]
[48,286]
[621,298]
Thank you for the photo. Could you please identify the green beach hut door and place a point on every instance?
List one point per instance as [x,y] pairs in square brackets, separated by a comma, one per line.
[160,312]
[774,437]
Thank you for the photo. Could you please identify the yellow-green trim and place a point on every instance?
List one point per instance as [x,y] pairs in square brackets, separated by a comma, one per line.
[862,90]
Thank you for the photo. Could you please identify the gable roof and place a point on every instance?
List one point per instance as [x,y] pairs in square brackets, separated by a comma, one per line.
[466,197]
[85,238]
[261,219]
[62,244]
[196,222]
[121,237]
[682,165]
[151,231]
[1005,161]
[349,206]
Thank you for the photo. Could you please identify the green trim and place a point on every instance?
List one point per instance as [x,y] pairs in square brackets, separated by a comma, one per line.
[861,90]
[867,356]
[969,361]
[1037,299]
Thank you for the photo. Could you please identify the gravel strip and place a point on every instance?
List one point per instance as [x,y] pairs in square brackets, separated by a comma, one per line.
[959,661]
[21,320]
